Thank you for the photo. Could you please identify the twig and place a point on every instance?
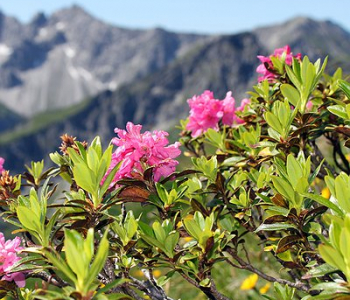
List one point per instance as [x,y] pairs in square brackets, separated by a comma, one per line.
[211,292]
[49,279]
[249,267]
[152,289]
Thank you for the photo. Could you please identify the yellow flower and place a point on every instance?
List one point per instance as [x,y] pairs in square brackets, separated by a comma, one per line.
[265,288]
[250,282]
[139,273]
[269,248]
[157,273]
[188,239]
[326,193]
[179,224]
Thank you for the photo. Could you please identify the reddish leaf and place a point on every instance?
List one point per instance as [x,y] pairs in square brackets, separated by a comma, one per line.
[197,206]
[343,130]
[209,244]
[134,194]
[275,219]
[287,242]
[279,201]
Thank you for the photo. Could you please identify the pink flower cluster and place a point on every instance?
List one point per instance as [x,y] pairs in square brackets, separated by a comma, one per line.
[1,165]
[8,257]
[206,112]
[137,151]
[266,66]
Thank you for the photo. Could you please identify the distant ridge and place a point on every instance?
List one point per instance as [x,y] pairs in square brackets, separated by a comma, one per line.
[56,61]
[156,72]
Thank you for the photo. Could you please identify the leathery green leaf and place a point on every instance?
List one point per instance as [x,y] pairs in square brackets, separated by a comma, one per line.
[99,260]
[291,93]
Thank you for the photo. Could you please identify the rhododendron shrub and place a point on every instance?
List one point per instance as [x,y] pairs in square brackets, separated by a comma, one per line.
[2,161]
[138,151]
[207,112]
[8,257]
[271,67]
[268,181]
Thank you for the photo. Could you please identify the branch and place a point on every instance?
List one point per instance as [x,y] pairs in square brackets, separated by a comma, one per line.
[49,279]
[246,266]
[211,292]
[337,150]
[150,287]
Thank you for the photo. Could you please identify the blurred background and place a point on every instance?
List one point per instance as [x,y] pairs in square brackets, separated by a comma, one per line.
[86,67]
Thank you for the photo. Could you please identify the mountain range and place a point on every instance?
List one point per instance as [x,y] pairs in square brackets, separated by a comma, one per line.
[70,72]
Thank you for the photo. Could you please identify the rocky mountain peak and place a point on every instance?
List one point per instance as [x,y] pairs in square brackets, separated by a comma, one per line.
[39,20]
[144,76]
[305,35]
[73,15]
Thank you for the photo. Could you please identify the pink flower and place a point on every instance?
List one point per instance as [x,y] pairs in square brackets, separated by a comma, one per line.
[137,151]
[309,105]
[8,257]
[228,106]
[267,68]
[1,164]
[240,108]
[205,113]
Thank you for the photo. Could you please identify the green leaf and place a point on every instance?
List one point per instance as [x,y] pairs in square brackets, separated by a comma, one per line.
[60,264]
[75,157]
[331,256]
[292,75]
[88,245]
[294,169]
[205,282]
[93,160]
[216,138]
[345,87]
[323,201]
[291,93]
[99,260]
[170,243]
[320,271]
[339,111]
[29,219]
[192,228]
[153,242]
[273,121]
[75,255]
[284,188]
[342,191]
[121,232]
[49,226]
[130,225]
[275,226]
[159,232]
[85,178]
[108,180]
[312,177]
[146,229]
[97,146]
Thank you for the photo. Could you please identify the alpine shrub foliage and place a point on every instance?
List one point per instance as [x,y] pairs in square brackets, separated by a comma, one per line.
[273,172]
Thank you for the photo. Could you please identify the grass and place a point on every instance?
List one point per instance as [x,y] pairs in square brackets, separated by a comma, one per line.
[41,121]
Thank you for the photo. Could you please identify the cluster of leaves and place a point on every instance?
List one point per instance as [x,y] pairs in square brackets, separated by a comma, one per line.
[262,178]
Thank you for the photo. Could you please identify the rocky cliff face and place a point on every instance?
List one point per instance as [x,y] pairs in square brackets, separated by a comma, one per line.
[54,62]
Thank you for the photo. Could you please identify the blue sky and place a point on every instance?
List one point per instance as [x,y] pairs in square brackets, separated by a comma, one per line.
[201,16]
